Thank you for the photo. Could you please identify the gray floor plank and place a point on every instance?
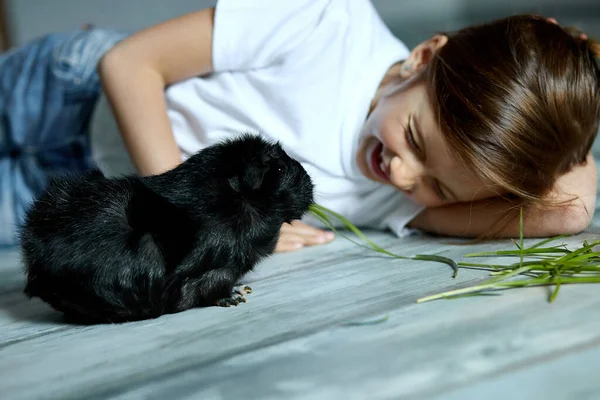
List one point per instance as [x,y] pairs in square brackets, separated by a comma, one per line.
[573,376]
[420,351]
[288,339]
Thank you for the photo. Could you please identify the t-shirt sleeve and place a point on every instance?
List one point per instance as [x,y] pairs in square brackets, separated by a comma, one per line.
[397,221]
[251,34]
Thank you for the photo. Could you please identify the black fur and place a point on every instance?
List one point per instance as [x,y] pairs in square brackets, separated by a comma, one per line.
[131,248]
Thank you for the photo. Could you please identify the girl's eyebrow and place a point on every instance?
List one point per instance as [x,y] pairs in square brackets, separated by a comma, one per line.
[421,139]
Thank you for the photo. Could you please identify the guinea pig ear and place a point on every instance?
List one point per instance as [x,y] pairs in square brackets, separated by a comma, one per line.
[252,177]
[234,182]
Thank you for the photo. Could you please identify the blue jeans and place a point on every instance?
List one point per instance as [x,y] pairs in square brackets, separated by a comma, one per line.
[48,90]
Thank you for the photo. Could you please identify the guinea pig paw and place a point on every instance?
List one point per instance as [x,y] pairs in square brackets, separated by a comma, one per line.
[234,300]
[242,290]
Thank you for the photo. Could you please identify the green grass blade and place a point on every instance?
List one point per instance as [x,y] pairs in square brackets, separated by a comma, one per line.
[555,265]
[489,284]
[511,284]
[579,251]
[518,252]
[555,291]
[546,282]
[445,260]
[543,242]
[321,213]
[521,235]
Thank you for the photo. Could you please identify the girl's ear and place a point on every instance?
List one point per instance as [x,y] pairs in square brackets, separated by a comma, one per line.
[421,55]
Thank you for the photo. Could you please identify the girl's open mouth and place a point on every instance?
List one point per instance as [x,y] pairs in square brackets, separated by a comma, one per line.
[377,164]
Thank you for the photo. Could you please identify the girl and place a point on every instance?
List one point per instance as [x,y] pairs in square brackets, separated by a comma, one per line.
[450,138]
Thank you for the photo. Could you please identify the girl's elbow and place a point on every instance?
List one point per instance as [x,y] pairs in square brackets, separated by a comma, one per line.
[583,221]
[112,60]
[575,221]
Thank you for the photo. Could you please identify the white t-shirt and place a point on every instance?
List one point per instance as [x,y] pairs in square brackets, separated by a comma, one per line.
[302,72]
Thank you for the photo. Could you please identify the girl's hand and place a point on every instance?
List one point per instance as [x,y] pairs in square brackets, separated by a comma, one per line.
[297,235]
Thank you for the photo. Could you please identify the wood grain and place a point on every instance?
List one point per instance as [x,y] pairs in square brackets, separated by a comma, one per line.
[291,340]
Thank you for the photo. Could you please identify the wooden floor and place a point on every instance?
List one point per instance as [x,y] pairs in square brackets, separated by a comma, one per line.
[297,337]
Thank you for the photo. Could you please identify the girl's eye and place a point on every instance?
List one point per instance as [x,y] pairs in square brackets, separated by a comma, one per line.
[410,138]
[439,191]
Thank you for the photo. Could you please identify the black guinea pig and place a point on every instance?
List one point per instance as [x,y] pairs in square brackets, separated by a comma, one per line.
[133,248]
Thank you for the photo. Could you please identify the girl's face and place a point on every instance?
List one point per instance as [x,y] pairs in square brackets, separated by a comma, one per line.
[402,145]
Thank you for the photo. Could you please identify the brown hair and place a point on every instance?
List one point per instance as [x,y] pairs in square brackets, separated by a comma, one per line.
[518,100]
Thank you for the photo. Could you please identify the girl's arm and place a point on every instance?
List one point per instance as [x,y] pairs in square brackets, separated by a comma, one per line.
[134,75]
[477,218]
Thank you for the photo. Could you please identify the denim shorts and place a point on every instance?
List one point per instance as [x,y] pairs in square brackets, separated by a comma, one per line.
[48,90]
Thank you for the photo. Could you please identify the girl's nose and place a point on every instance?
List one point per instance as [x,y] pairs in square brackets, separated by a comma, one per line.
[405,174]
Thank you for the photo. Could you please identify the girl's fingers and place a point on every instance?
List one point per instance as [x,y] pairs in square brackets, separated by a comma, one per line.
[297,236]
[300,228]
[284,247]
[290,242]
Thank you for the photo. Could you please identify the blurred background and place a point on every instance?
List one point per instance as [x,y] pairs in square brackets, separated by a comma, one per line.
[411,20]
